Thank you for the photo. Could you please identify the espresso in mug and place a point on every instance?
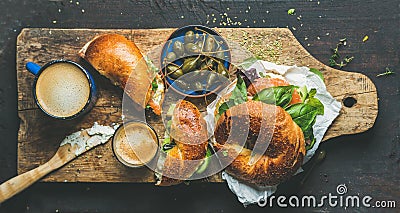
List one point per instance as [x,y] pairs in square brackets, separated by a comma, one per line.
[62,89]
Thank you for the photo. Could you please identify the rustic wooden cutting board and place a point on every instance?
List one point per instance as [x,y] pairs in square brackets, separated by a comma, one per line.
[39,135]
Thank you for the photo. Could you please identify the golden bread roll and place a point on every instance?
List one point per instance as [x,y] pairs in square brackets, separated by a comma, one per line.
[189,131]
[278,162]
[121,61]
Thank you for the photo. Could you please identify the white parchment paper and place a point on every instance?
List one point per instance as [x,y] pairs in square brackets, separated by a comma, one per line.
[298,76]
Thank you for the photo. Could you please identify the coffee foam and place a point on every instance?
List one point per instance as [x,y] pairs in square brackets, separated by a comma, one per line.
[62,89]
[135,144]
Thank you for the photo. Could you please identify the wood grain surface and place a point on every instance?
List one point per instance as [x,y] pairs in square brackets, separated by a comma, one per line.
[39,135]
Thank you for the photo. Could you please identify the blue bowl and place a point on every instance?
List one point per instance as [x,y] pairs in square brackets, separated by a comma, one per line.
[178,35]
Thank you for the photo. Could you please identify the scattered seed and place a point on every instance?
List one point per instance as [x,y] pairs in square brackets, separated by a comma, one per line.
[365,38]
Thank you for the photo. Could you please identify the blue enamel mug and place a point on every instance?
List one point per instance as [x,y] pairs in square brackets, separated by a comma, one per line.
[63,89]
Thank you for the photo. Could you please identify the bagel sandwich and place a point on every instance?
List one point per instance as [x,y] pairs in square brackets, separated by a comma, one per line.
[184,146]
[121,61]
[277,120]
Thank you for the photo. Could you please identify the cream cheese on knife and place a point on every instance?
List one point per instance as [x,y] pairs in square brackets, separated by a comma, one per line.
[96,135]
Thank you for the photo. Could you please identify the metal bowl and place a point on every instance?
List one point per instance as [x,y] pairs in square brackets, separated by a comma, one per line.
[178,35]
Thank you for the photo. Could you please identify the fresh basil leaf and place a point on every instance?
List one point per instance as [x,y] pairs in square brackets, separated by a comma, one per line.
[304,115]
[303,92]
[266,95]
[223,108]
[317,72]
[308,98]
[317,104]
[283,95]
[280,96]
[312,92]
[238,96]
[312,101]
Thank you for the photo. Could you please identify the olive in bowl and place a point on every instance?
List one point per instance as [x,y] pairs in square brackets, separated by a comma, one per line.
[197,53]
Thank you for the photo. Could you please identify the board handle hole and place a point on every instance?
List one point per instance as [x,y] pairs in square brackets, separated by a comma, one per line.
[349,102]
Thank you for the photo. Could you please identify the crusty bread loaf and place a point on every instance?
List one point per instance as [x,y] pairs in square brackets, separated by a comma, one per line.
[189,131]
[121,61]
[278,162]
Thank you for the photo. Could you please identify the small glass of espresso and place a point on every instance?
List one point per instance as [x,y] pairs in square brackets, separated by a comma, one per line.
[135,144]
[63,89]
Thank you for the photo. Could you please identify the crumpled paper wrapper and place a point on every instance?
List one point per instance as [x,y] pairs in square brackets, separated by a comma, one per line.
[299,76]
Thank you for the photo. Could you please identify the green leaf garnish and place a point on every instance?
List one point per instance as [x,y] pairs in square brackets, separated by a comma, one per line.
[279,96]
[154,85]
[238,96]
[317,72]
[305,114]
[167,144]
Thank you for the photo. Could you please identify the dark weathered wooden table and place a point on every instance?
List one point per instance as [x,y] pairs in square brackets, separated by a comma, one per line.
[367,163]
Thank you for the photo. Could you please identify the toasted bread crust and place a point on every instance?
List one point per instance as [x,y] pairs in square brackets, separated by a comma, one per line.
[279,161]
[189,130]
[121,61]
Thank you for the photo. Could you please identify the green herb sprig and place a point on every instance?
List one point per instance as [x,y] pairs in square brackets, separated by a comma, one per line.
[387,72]
[334,60]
